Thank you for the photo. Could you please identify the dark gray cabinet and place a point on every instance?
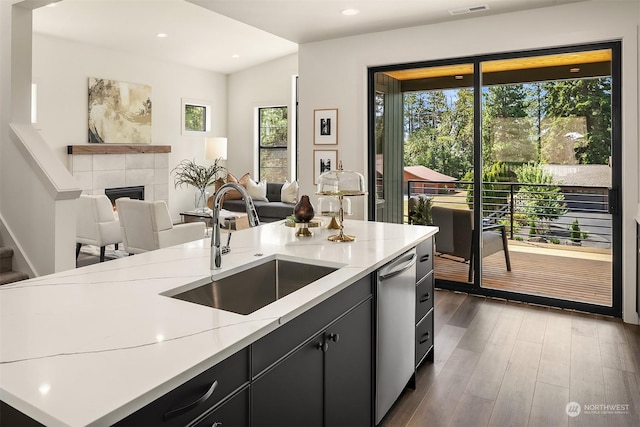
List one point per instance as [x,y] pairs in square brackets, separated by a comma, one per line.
[197,396]
[424,302]
[348,366]
[326,379]
[290,394]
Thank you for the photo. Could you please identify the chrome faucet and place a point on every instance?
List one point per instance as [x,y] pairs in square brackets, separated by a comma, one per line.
[216,249]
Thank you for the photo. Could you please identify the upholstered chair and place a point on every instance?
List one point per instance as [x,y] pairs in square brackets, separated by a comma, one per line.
[147,225]
[96,223]
[456,236]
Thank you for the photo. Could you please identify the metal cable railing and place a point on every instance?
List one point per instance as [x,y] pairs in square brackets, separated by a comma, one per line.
[548,213]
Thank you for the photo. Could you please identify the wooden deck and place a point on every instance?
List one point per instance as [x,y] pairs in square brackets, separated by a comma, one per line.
[569,274]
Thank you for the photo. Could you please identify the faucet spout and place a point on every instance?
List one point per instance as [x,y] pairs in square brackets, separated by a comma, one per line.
[216,248]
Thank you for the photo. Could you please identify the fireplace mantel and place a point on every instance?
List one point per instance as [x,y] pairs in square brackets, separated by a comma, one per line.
[117,149]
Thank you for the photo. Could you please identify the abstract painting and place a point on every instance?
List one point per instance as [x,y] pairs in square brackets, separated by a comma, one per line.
[119,112]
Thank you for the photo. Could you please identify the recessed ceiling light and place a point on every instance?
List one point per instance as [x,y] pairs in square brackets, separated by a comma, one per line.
[350,12]
[235,56]
[162,35]
[459,77]
[574,70]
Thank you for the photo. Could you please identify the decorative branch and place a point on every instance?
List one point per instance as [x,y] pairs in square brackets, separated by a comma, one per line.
[189,173]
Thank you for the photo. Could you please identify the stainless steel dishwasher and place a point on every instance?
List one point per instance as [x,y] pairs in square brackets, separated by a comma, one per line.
[395,326]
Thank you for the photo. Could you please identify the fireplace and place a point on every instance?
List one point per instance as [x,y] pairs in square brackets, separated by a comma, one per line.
[101,166]
[134,192]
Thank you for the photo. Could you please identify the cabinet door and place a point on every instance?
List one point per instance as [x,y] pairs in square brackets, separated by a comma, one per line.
[290,393]
[424,296]
[424,338]
[425,258]
[348,369]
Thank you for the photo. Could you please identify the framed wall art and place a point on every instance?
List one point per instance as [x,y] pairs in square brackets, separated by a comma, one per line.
[119,112]
[324,161]
[325,126]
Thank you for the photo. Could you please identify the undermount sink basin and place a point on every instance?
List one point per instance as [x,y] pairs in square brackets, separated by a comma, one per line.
[251,289]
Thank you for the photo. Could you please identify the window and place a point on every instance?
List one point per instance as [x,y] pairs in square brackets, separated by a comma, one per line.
[196,116]
[273,144]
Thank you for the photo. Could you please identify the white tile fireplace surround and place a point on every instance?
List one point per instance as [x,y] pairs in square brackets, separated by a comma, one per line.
[100,166]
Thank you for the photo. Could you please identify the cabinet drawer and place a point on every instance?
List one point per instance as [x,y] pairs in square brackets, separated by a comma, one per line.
[269,349]
[424,296]
[424,337]
[425,258]
[233,413]
[195,395]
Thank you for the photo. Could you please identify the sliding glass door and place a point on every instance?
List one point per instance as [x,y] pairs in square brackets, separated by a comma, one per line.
[547,150]
[536,136]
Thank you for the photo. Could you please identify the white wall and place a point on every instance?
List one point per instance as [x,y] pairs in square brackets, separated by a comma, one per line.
[333,74]
[61,70]
[265,85]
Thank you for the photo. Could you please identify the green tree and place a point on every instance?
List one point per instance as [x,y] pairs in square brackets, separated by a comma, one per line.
[589,99]
[539,197]
[509,131]
[439,131]
[494,195]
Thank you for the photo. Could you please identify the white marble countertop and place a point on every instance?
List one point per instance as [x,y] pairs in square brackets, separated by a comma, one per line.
[92,345]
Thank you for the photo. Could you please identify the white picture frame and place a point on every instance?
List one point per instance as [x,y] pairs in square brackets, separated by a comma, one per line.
[325,126]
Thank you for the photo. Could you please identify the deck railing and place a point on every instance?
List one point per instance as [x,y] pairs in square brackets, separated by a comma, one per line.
[548,213]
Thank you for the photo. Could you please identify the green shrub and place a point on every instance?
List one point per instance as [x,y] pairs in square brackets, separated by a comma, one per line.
[421,213]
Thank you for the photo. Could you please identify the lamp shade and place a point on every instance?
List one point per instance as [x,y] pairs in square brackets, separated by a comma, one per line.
[215,148]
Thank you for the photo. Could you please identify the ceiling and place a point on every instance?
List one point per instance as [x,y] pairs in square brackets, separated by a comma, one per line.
[230,35]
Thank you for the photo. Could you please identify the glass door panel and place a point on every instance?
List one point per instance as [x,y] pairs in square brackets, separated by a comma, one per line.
[546,154]
[438,161]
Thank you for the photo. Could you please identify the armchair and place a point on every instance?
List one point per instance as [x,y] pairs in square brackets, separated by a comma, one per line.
[147,225]
[456,236]
[96,224]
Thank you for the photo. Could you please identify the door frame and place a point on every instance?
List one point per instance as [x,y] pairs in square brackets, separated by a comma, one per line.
[616,171]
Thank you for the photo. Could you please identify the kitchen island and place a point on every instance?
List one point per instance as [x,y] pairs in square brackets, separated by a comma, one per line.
[93,345]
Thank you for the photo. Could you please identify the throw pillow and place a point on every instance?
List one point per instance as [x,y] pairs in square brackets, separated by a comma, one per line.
[289,192]
[257,190]
[233,194]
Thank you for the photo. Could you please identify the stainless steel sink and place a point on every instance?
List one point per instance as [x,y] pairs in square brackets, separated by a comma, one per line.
[255,287]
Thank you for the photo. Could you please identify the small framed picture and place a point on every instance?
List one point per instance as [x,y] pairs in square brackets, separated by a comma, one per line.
[325,126]
[324,161]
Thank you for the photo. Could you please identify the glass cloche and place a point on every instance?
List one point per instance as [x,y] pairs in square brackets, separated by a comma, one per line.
[340,183]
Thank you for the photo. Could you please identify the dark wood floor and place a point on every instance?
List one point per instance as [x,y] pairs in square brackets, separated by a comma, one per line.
[500,363]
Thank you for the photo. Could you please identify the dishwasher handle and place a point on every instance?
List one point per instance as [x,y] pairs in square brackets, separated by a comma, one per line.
[410,262]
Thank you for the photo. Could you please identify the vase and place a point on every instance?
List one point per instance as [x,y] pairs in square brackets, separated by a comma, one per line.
[200,199]
[303,211]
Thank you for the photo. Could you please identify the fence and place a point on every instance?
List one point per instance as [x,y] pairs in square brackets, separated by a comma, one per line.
[557,214]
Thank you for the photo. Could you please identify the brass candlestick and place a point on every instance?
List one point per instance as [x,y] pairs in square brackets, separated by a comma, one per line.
[341,237]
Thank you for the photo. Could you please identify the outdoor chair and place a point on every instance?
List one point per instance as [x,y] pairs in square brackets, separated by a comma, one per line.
[456,236]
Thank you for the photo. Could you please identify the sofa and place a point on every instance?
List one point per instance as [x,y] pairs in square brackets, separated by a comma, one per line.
[273,210]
